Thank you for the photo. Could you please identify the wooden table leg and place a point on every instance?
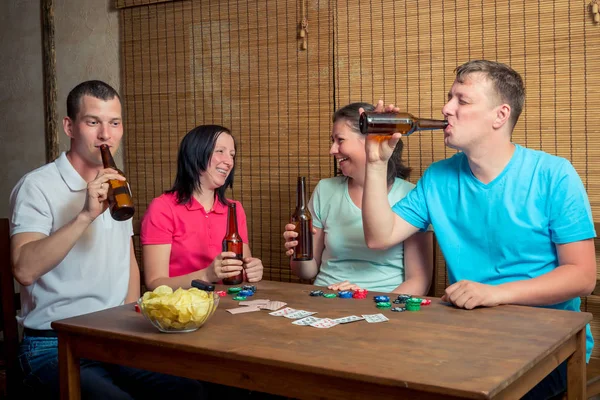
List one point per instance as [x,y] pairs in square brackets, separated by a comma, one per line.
[68,364]
[576,374]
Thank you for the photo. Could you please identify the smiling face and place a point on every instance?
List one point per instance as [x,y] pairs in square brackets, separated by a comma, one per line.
[348,147]
[471,111]
[97,122]
[221,163]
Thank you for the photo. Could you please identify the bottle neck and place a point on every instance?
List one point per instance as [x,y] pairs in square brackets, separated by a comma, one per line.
[430,124]
[231,220]
[301,193]
[107,158]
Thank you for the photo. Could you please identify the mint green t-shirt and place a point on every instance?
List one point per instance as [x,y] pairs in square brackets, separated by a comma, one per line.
[346,255]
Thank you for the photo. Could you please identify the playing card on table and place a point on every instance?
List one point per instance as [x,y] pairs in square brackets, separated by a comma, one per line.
[257,302]
[240,310]
[272,305]
[324,323]
[299,314]
[345,320]
[282,312]
[373,318]
[306,321]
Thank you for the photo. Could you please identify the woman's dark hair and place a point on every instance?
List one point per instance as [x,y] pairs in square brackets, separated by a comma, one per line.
[193,158]
[350,115]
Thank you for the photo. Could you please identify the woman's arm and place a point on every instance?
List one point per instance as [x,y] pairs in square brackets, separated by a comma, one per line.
[306,269]
[418,264]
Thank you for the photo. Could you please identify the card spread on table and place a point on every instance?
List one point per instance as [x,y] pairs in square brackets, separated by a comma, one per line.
[299,314]
[282,312]
[324,323]
[346,320]
[373,318]
[245,309]
[257,302]
[272,305]
[306,321]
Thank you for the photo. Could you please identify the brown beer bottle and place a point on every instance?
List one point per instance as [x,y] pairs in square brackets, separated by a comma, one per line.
[303,221]
[120,200]
[233,242]
[388,123]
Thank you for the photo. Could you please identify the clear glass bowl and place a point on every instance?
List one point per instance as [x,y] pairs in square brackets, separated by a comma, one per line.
[182,317]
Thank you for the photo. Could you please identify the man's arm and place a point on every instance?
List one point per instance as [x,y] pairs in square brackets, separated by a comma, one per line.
[418,264]
[574,277]
[133,291]
[34,254]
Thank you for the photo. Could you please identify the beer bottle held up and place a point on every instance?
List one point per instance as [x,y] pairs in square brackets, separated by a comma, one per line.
[303,221]
[233,242]
[388,123]
[120,200]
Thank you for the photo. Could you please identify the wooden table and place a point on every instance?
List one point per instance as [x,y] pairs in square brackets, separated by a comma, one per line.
[438,352]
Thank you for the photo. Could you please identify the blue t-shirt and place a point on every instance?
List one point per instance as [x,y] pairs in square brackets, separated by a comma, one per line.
[506,230]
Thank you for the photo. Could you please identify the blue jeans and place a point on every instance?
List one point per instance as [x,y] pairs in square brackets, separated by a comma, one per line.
[552,386]
[38,357]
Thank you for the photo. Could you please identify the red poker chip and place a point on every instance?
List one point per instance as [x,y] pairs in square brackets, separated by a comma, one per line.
[137,308]
[221,293]
[425,302]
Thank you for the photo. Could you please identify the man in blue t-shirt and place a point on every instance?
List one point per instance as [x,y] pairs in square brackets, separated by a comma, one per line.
[514,224]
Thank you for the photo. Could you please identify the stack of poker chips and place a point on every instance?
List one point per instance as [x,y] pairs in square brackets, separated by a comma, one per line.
[382,301]
[360,293]
[241,293]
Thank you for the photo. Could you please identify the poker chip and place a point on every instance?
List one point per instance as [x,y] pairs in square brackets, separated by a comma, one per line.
[357,295]
[381,299]
[383,304]
[232,290]
[425,302]
[402,298]
[345,294]
[316,293]
[413,304]
[361,291]
[221,293]
[245,293]
[249,287]
[239,298]
[330,295]
[398,309]
[136,307]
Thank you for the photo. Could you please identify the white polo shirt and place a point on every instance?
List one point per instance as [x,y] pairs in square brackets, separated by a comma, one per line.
[95,273]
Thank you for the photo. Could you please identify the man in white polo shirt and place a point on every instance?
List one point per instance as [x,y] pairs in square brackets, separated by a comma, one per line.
[72,258]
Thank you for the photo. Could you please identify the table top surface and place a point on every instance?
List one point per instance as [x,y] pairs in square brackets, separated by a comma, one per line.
[438,349]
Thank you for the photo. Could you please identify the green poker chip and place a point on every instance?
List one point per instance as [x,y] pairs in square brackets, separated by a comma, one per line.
[330,295]
[232,290]
[413,304]
[383,304]
[240,298]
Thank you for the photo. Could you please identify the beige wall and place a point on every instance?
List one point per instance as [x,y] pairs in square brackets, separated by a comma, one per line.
[87,47]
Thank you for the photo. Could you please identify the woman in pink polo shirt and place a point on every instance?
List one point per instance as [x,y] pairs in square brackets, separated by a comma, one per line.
[182,229]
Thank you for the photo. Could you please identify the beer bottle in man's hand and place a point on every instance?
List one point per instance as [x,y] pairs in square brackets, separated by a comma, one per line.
[303,221]
[387,123]
[120,200]
[233,242]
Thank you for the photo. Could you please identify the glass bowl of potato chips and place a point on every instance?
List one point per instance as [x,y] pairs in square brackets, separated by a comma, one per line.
[180,310]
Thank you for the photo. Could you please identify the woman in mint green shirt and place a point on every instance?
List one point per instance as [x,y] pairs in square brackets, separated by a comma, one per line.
[342,259]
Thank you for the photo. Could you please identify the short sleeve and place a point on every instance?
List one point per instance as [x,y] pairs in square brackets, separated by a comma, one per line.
[30,209]
[158,224]
[570,211]
[413,207]
[314,206]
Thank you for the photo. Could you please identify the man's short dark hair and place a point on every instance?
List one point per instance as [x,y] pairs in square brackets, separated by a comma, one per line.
[97,89]
[507,83]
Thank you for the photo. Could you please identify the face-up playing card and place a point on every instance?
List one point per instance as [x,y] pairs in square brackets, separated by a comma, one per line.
[305,321]
[272,305]
[324,323]
[241,310]
[282,312]
[346,320]
[299,314]
[373,318]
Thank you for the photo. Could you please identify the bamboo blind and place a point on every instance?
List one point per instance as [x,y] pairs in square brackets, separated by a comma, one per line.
[239,64]
[236,64]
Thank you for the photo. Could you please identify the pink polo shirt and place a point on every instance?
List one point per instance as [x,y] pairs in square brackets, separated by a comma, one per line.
[195,235]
